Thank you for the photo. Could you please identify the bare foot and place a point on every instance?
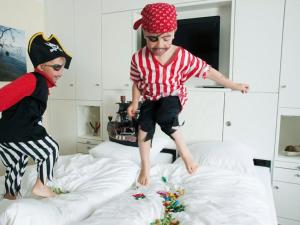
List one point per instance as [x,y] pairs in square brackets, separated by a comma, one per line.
[43,191]
[191,165]
[9,196]
[144,176]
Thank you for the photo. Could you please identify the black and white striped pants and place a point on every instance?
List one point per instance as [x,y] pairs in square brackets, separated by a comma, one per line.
[14,156]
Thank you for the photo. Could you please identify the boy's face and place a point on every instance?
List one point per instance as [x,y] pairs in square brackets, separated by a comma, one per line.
[159,43]
[53,68]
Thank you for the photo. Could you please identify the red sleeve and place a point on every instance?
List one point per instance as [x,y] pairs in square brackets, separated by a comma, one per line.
[15,91]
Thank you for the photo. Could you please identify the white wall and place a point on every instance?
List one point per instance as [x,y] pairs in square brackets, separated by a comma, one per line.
[24,15]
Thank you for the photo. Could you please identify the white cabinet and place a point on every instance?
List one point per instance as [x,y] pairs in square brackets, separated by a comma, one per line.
[290,75]
[76,98]
[257,43]
[62,124]
[78,26]
[286,175]
[117,49]
[251,119]
[109,6]
[59,21]
[286,186]
[203,115]
[87,30]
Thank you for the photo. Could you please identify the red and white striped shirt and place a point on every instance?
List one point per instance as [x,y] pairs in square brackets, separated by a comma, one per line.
[155,80]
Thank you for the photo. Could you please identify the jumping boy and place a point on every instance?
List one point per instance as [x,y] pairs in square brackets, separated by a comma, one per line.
[159,71]
[23,103]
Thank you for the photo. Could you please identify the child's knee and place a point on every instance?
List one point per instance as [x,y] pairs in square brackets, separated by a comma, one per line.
[145,134]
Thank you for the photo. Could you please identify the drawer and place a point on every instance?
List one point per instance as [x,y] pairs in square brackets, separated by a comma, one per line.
[88,141]
[287,165]
[283,221]
[287,175]
[287,200]
[84,148]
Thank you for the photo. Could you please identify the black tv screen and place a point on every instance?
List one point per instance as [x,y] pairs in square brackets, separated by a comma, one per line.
[200,36]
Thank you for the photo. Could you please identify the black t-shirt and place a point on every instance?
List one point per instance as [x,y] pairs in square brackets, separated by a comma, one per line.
[22,121]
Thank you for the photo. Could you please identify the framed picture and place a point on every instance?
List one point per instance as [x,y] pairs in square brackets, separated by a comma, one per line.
[12,53]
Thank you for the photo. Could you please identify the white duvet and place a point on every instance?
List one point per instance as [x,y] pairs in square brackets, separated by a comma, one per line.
[213,197]
[90,181]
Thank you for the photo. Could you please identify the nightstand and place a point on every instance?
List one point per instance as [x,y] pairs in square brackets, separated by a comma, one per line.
[286,189]
[286,170]
[84,145]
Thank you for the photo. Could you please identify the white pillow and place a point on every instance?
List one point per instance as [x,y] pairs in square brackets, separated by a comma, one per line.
[109,149]
[227,155]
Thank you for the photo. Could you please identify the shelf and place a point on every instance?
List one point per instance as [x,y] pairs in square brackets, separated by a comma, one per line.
[284,158]
[288,133]
[88,115]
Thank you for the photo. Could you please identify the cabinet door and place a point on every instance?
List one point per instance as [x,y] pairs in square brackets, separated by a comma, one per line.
[290,75]
[62,124]
[203,116]
[88,51]
[116,5]
[287,200]
[257,43]
[284,221]
[251,119]
[117,48]
[110,106]
[59,22]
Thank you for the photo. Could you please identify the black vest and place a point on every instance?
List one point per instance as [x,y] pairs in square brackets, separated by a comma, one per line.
[21,122]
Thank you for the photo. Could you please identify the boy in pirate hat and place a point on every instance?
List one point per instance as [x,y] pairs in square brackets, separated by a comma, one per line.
[23,103]
[159,71]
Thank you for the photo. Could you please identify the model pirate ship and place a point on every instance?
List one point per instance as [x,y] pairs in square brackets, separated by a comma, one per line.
[123,130]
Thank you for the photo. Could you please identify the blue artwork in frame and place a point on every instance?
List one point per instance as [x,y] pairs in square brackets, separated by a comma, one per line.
[12,53]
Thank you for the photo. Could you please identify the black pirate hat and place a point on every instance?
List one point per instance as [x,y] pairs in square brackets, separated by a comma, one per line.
[41,49]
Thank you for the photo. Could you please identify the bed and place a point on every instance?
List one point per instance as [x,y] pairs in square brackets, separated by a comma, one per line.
[90,179]
[227,189]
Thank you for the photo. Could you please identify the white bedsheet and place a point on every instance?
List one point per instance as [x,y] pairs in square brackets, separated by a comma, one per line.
[91,182]
[213,197]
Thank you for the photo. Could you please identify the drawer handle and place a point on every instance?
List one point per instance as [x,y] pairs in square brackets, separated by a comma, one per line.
[88,142]
[297,175]
[276,187]
[298,167]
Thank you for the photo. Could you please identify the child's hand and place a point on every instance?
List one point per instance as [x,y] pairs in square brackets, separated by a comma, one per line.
[131,110]
[244,88]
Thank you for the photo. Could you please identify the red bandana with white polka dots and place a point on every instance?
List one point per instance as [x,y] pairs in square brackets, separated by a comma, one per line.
[158,18]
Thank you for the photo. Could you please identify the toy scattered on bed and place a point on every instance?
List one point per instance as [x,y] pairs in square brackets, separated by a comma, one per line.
[58,190]
[123,130]
[171,202]
[139,196]
[168,219]
[171,205]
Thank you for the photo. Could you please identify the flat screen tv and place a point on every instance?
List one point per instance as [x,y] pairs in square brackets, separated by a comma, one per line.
[200,36]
